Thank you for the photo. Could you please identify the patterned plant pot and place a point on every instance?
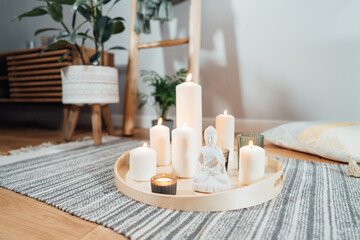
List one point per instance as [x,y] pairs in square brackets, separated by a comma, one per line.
[86,84]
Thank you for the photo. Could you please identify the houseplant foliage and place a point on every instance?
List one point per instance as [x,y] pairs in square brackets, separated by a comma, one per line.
[164,93]
[99,26]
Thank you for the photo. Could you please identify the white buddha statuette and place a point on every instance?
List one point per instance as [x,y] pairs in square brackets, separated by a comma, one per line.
[211,175]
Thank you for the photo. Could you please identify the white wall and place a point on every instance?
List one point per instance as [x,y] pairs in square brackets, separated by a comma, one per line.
[273,61]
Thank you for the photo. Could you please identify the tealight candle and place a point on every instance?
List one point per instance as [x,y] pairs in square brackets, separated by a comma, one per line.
[225,127]
[160,142]
[142,164]
[252,163]
[185,151]
[164,184]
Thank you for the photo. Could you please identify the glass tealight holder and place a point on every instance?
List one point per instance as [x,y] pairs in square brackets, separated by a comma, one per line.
[243,139]
[226,156]
[164,184]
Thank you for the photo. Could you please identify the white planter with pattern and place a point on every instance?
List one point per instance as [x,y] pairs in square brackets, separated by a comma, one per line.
[87,84]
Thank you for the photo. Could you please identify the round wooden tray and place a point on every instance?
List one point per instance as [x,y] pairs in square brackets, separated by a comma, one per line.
[239,196]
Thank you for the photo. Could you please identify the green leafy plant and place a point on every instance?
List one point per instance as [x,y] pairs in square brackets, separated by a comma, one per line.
[164,92]
[100,26]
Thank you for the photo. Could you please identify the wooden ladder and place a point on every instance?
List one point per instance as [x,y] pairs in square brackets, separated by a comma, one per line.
[193,42]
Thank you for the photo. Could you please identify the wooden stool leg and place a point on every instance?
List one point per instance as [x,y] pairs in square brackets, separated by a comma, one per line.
[65,116]
[72,120]
[106,116]
[96,123]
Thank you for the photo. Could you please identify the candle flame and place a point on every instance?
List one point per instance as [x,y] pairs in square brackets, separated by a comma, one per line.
[160,121]
[163,179]
[145,145]
[188,78]
[225,112]
[185,124]
[251,143]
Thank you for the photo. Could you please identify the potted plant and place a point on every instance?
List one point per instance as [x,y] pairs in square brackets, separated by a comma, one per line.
[91,82]
[164,93]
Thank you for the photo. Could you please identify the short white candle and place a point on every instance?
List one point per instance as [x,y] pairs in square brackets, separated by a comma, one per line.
[189,107]
[160,142]
[225,127]
[185,151]
[142,163]
[252,163]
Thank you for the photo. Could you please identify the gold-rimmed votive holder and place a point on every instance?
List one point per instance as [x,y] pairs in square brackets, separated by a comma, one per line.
[244,139]
[164,183]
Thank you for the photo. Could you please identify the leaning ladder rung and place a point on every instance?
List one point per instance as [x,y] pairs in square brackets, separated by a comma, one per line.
[165,43]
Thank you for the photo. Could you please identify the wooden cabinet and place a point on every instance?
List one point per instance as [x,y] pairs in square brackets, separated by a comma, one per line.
[25,76]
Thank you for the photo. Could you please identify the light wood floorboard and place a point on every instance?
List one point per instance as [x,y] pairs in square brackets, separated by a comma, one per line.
[26,218]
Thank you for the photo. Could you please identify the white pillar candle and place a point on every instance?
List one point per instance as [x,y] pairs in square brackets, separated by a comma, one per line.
[185,151]
[189,107]
[225,127]
[142,163]
[160,142]
[252,163]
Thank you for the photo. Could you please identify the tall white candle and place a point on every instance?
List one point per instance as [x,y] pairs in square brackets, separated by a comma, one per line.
[225,127]
[142,163]
[160,142]
[189,107]
[185,151]
[252,163]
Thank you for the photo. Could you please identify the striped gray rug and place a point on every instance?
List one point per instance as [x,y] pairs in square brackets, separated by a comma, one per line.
[318,201]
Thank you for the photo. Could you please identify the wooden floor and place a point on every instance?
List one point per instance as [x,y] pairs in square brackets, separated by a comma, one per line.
[26,218]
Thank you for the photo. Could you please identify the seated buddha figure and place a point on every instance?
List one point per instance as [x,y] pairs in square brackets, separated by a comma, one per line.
[211,175]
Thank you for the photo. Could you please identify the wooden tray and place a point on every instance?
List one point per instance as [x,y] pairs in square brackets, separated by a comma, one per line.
[239,196]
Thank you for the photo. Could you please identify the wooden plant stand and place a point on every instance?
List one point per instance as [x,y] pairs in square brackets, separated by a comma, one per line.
[98,113]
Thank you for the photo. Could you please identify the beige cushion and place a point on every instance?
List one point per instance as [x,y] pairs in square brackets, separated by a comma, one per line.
[336,141]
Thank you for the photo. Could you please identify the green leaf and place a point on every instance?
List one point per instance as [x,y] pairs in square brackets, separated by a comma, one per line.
[39,11]
[66,2]
[101,3]
[105,28]
[84,13]
[46,29]
[77,4]
[118,27]
[62,37]
[117,48]
[84,35]
[116,1]
[102,22]
[73,22]
[74,33]
[55,10]
[83,41]
[95,59]
[56,46]
[118,19]
[64,55]
[97,13]
[143,98]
